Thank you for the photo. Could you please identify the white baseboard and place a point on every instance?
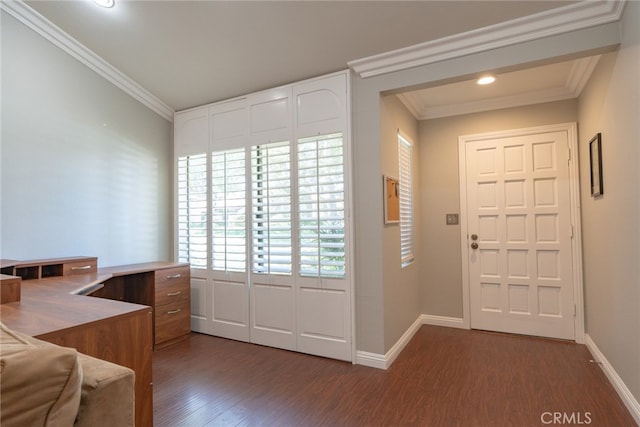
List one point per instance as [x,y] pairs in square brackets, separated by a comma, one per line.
[449,322]
[623,391]
[383,361]
[394,351]
[372,360]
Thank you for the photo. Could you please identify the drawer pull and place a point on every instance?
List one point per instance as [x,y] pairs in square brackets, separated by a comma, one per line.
[177,310]
[175,276]
[173,294]
[84,267]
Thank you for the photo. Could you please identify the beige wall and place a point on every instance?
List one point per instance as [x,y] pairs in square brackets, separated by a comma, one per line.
[401,284]
[441,260]
[610,104]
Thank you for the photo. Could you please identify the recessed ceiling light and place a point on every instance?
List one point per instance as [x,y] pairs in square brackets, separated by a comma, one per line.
[105,3]
[486,80]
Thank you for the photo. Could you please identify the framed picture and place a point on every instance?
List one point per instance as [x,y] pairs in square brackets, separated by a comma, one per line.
[391,194]
[595,155]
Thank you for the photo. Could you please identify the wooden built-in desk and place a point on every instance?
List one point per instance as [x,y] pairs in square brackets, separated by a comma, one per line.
[165,286]
[119,326]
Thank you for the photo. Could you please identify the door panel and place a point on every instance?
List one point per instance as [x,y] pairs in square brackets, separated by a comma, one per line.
[518,215]
[199,301]
[272,314]
[230,310]
[324,323]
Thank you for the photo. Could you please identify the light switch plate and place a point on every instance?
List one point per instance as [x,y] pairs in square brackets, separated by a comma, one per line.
[452,219]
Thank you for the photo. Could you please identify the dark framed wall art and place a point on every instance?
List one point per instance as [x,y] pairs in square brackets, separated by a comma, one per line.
[595,156]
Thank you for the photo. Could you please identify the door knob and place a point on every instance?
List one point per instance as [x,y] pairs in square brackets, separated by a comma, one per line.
[474,245]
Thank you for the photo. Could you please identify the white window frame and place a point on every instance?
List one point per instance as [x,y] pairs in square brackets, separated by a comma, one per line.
[405,177]
[271,207]
[321,206]
[228,228]
[193,202]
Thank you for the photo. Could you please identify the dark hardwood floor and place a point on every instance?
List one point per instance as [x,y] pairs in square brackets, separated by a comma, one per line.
[444,377]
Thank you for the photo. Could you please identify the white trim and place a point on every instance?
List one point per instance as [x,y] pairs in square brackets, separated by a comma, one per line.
[576,241]
[64,41]
[576,224]
[397,348]
[350,208]
[383,361]
[549,23]
[464,233]
[448,322]
[372,360]
[509,101]
[621,388]
[580,73]
[376,360]
[578,76]
[413,102]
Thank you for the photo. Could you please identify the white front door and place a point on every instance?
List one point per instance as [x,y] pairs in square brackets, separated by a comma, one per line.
[516,198]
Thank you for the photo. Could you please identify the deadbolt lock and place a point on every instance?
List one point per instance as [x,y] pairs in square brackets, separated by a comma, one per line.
[474,237]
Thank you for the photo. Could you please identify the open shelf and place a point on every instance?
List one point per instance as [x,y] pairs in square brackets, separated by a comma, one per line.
[28,272]
[41,269]
[52,270]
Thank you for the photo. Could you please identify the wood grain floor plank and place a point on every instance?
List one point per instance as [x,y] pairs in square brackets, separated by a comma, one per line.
[444,377]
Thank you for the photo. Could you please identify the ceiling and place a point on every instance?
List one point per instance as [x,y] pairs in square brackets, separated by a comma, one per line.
[190,53]
[547,83]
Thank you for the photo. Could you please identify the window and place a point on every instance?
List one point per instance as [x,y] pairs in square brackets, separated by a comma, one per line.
[271,208]
[406,200]
[321,206]
[192,210]
[213,233]
[228,211]
[258,196]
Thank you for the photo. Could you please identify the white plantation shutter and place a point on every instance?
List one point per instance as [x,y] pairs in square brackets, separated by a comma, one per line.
[321,183]
[406,200]
[228,211]
[271,208]
[192,210]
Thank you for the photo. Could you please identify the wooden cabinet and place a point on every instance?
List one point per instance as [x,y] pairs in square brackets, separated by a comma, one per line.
[165,286]
[9,288]
[172,305]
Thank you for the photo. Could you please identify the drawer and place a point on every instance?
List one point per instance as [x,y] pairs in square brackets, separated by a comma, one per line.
[172,285]
[168,276]
[80,267]
[172,321]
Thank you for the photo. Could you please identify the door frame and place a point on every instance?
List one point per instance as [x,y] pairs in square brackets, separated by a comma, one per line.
[574,187]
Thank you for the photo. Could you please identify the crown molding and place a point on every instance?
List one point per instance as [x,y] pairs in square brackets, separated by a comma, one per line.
[64,41]
[527,98]
[580,73]
[414,104]
[578,76]
[549,23]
